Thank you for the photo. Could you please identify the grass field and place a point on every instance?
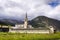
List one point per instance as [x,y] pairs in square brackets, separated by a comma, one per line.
[24,36]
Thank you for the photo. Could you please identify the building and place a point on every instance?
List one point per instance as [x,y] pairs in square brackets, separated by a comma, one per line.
[26,22]
[25,28]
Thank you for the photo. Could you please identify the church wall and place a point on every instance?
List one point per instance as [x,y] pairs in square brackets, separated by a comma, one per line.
[29,31]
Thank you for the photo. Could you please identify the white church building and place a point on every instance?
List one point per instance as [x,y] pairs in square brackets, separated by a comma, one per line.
[25,28]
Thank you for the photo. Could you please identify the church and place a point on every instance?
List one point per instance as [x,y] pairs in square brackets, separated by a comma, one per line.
[26,28]
[25,25]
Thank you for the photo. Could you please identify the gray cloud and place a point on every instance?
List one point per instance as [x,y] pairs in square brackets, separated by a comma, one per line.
[18,8]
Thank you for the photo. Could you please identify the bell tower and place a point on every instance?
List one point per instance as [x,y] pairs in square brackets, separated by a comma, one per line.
[26,21]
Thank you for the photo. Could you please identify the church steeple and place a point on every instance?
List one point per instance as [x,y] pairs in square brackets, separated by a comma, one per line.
[26,21]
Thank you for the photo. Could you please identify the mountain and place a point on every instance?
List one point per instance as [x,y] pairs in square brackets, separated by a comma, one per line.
[42,21]
[11,22]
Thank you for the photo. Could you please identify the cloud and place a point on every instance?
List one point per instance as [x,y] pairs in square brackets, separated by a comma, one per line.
[18,8]
[55,13]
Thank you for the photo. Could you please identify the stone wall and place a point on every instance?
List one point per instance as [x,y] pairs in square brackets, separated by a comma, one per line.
[29,31]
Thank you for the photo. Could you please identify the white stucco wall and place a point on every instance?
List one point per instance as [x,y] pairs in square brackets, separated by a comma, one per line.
[29,31]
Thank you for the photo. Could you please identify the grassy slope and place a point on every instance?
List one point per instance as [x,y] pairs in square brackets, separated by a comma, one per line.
[19,36]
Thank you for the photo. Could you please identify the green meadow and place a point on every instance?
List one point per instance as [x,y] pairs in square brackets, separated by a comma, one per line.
[26,36]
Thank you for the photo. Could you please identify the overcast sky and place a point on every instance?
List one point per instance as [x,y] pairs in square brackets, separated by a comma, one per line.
[18,8]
